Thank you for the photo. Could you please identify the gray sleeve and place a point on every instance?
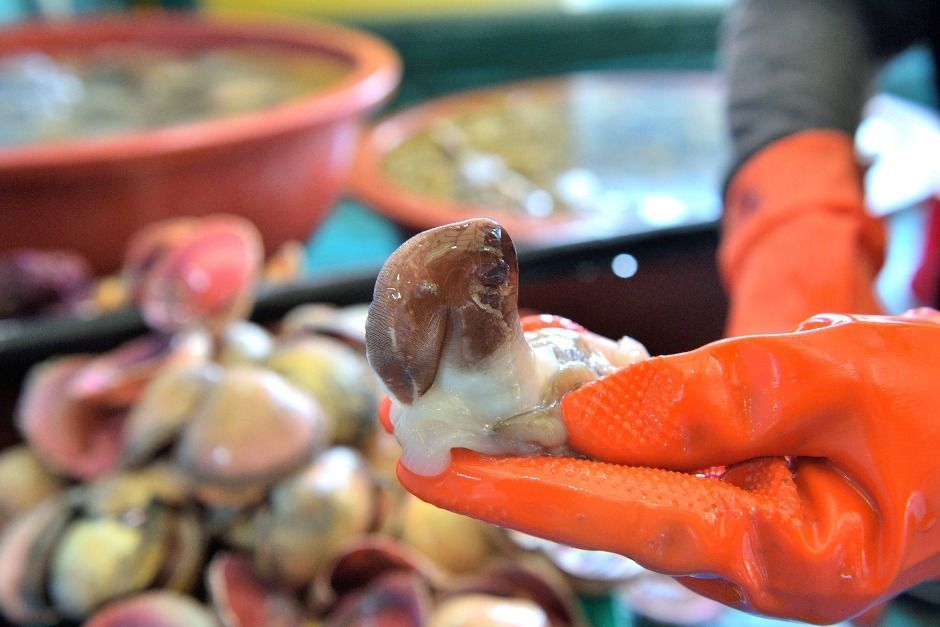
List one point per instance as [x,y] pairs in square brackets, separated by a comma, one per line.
[794,65]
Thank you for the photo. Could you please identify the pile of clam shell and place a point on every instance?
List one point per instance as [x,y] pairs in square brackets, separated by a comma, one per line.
[217,472]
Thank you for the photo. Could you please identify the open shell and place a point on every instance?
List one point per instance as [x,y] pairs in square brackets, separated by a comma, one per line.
[401,598]
[168,402]
[195,272]
[242,598]
[70,437]
[365,560]
[117,378]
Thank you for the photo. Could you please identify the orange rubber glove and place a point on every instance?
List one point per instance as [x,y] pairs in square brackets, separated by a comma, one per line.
[822,448]
[796,237]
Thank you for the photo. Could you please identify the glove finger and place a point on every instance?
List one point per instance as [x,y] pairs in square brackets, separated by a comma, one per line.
[737,399]
[753,534]
[677,523]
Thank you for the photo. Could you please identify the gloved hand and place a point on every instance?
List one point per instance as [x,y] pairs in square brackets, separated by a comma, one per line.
[796,475]
[796,237]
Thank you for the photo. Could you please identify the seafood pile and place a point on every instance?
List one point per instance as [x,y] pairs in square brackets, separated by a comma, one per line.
[48,284]
[218,472]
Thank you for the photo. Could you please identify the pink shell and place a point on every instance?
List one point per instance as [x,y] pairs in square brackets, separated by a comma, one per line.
[73,438]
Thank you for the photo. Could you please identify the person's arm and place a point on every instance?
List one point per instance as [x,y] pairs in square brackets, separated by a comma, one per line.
[796,237]
[793,66]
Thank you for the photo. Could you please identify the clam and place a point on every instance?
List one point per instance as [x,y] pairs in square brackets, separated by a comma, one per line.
[242,598]
[26,546]
[158,608]
[311,513]
[116,494]
[168,402]
[363,561]
[402,599]
[252,429]
[101,559]
[339,379]
[244,342]
[481,610]
[117,378]
[432,531]
[343,323]
[148,246]
[24,481]
[195,272]
[70,437]
[159,491]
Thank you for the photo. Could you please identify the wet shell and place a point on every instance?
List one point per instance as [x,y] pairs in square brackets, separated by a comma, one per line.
[118,378]
[168,402]
[432,531]
[253,428]
[365,560]
[339,379]
[150,243]
[402,599]
[100,559]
